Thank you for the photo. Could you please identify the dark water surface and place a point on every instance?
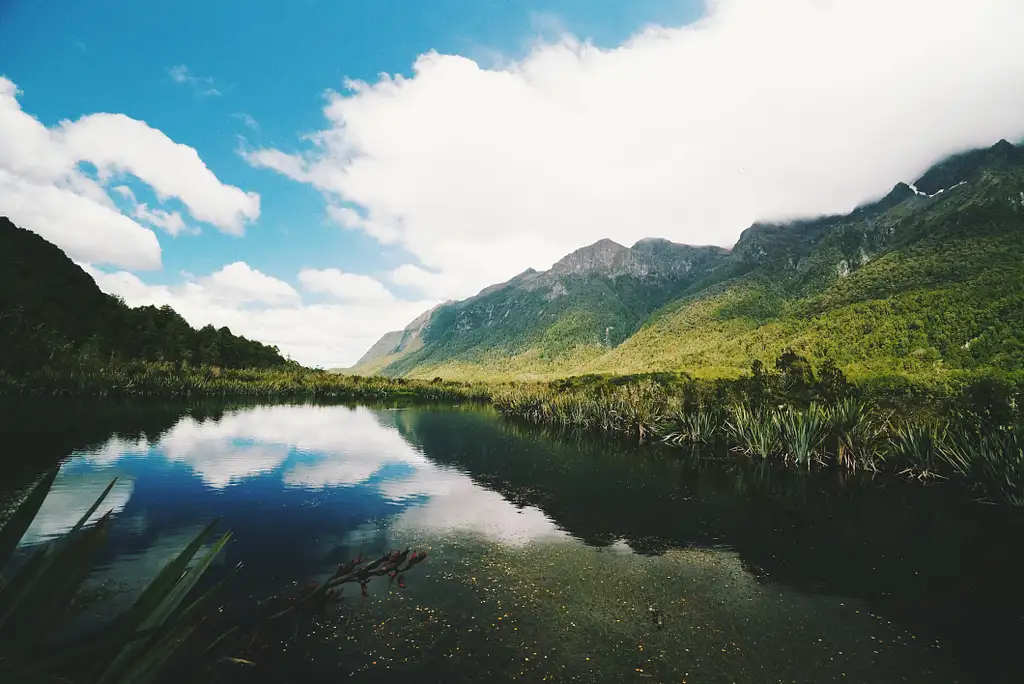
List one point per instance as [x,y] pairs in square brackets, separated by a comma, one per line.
[551,559]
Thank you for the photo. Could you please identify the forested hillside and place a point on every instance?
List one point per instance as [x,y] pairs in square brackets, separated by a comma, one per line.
[927,280]
[52,314]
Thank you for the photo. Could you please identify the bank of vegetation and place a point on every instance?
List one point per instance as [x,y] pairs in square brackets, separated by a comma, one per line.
[971,433]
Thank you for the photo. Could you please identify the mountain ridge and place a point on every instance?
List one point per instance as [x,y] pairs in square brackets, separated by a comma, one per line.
[660,305]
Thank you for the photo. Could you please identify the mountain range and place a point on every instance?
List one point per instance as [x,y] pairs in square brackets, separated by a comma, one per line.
[927,280]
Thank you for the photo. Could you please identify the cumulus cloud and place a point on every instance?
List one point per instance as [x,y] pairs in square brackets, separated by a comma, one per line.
[267,309]
[239,283]
[44,188]
[758,111]
[345,287]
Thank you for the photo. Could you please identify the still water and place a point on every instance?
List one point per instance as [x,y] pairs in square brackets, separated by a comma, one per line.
[551,558]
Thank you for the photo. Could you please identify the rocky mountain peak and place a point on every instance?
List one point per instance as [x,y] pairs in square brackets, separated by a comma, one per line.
[963,167]
[604,257]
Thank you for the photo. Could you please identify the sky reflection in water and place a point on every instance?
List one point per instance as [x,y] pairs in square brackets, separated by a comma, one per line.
[509,593]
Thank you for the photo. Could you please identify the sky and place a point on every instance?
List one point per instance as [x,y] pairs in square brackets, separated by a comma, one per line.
[315,173]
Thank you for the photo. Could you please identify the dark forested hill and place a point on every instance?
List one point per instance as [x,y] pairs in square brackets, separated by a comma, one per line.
[53,314]
[926,280]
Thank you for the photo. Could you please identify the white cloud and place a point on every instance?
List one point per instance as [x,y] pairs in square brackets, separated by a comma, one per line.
[44,189]
[238,283]
[119,144]
[759,111]
[78,224]
[170,221]
[345,287]
[439,285]
[202,86]
[264,308]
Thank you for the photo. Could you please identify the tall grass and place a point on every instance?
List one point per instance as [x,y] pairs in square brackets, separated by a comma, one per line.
[993,460]
[802,433]
[849,434]
[855,433]
[916,446]
[755,432]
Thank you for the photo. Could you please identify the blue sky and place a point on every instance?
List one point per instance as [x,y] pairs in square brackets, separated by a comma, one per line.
[523,131]
[270,61]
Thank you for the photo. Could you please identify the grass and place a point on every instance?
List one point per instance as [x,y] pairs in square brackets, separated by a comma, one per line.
[848,433]
[144,379]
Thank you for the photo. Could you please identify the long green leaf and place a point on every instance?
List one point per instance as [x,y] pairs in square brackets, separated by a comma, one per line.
[50,596]
[16,526]
[21,588]
[92,509]
[12,593]
[149,665]
[164,581]
[162,597]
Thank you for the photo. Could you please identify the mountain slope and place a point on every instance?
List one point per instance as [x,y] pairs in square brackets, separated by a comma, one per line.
[52,314]
[928,279]
[587,303]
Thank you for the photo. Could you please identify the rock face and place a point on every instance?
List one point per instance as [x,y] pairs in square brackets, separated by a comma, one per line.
[397,342]
[574,316]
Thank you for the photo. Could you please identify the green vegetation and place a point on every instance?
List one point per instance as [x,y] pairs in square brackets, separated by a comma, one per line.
[796,417]
[142,379]
[174,628]
[924,288]
[55,320]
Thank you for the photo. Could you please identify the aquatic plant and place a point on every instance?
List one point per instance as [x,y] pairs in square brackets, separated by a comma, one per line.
[756,432]
[802,433]
[855,431]
[915,448]
[35,604]
[640,407]
[993,459]
[693,427]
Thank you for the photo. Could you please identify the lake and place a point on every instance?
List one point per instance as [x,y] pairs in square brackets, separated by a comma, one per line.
[552,557]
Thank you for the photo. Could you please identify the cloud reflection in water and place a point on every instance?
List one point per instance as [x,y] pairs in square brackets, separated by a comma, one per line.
[319,449]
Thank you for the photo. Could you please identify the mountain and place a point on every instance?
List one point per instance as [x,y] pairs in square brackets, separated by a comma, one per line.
[926,280]
[52,314]
[585,305]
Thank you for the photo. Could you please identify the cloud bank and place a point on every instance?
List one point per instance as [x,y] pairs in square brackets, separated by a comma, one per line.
[759,111]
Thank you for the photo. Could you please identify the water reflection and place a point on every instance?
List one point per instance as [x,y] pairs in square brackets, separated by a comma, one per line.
[783,574]
[310,448]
